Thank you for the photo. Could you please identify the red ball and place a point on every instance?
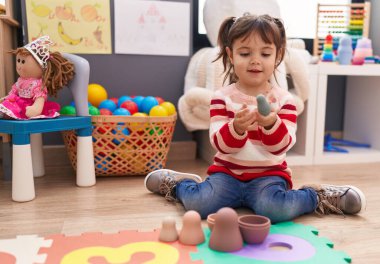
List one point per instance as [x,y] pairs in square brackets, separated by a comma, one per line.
[130,106]
[160,100]
[114,99]
[105,111]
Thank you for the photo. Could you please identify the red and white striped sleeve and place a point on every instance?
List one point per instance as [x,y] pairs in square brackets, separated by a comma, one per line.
[223,136]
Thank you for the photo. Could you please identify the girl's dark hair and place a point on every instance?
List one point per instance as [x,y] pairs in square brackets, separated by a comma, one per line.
[57,74]
[270,29]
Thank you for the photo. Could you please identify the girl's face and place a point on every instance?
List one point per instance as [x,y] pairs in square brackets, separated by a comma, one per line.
[28,67]
[253,61]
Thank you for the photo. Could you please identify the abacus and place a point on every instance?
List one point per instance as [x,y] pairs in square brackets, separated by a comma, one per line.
[339,20]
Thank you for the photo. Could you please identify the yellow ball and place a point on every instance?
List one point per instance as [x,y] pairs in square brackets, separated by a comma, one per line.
[138,126]
[158,110]
[169,107]
[140,114]
[96,94]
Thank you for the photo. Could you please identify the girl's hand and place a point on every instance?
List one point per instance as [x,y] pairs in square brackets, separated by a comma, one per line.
[266,121]
[243,119]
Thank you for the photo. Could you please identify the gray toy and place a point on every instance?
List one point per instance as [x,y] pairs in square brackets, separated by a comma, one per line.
[262,105]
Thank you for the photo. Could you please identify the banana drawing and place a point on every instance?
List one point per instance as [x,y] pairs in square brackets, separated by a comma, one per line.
[67,39]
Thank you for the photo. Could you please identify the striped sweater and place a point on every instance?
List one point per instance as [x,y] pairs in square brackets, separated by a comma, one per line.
[258,152]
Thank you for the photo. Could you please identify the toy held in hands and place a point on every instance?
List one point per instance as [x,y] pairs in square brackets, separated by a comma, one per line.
[263,106]
[41,73]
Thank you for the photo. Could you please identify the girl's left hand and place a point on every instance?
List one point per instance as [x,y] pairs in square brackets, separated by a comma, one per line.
[266,121]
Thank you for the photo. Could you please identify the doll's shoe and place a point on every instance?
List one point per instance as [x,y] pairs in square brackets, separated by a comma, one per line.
[338,199]
[163,182]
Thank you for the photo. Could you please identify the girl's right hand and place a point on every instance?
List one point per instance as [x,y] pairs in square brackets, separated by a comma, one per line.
[243,119]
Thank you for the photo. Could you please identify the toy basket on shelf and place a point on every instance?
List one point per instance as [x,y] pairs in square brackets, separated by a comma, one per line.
[126,145]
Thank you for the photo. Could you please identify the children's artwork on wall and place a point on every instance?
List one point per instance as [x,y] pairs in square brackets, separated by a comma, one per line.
[74,26]
[152,27]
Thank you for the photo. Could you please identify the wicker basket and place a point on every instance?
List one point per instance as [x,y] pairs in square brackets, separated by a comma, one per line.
[126,145]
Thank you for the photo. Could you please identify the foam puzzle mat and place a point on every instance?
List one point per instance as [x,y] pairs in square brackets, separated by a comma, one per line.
[287,242]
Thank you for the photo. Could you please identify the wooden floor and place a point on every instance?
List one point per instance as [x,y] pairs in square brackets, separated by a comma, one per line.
[120,203]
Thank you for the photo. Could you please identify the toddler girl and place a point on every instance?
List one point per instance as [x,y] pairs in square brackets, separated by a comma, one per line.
[249,168]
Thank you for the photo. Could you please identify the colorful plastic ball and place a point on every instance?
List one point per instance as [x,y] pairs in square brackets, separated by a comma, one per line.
[148,103]
[104,111]
[125,132]
[115,100]
[122,99]
[158,110]
[138,100]
[92,110]
[156,130]
[101,164]
[140,114]
[130,106]
[138,126]
[121,111]
[68,110]
[103,129]
[159,100]
[108,104]
[169,107]
[96,94]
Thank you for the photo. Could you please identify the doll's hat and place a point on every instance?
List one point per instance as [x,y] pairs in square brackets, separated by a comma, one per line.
[40,49]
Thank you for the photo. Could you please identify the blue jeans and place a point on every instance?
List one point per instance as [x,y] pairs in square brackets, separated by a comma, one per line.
[267,196]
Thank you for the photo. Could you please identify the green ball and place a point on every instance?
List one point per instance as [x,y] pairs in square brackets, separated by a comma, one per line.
[68,110]
[156,130]
[92,110]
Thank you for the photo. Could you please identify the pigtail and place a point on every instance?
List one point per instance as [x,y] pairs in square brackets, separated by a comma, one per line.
[223,43]
[281,49]
[58,73]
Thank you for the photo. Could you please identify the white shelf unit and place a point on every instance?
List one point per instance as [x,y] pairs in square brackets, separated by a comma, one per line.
[362,107]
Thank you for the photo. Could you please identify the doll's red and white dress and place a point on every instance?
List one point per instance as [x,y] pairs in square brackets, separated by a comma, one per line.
[24,92]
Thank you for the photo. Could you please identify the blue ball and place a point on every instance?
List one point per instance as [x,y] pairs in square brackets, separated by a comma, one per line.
[148,104]
[121,111]
[107,104]
[122,99]
[138,100]
[125,132]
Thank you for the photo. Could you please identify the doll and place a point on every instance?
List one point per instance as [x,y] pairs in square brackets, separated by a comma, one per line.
[41,73]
